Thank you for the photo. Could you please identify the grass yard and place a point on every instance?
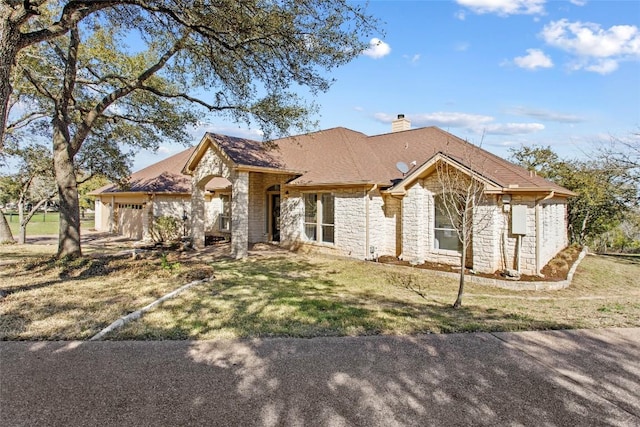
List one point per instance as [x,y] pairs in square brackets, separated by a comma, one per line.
[277,294]
[43,224]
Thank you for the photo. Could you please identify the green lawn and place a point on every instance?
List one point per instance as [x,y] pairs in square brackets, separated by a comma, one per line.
[281,294]
[43,224]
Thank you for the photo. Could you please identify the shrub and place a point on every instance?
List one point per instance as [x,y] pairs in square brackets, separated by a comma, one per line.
[166,229]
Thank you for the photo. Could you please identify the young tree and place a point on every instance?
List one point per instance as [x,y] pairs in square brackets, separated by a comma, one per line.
[6,190]
[33,182]
[250,57]
[462,194]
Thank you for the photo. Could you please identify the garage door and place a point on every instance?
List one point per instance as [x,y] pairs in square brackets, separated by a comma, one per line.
[130,220]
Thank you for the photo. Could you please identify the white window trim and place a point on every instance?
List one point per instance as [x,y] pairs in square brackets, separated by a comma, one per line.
[224,215]
[318,220]
[438,250]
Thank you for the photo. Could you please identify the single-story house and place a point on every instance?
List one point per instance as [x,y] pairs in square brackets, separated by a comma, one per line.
[355,195]
[161,189]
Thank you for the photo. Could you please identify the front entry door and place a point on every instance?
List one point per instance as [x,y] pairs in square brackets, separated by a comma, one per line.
[274,216]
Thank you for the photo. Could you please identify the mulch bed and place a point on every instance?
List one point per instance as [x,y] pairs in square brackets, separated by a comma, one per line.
[556,270]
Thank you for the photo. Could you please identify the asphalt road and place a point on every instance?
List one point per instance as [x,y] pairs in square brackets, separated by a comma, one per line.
[561,378]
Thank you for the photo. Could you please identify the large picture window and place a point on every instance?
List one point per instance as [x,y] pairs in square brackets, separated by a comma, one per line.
[319,217]
[445,234]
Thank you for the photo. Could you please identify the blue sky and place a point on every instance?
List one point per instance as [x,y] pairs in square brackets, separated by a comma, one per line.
[498,73]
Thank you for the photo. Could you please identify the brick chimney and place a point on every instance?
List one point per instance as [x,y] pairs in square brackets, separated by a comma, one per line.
[400,124]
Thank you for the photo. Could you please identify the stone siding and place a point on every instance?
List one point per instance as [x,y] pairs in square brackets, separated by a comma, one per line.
[485,240]
[292,219]
[259,204]
[383,219]
[213,209]
[493,246]
[350,223]
[415,230]
[553,222]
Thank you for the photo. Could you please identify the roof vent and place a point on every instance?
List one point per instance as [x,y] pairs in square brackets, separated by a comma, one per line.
[400,124]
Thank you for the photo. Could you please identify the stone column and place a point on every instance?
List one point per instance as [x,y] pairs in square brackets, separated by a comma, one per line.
[197,215]
[147,219]
[112,219]
[240,215]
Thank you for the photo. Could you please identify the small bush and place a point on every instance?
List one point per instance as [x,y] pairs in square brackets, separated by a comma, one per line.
[166,229]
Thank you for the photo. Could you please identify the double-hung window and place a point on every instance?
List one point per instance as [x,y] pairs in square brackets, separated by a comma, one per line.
[445,233]
[319,217]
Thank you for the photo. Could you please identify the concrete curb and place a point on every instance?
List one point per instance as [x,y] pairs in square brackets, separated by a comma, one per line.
[138,313]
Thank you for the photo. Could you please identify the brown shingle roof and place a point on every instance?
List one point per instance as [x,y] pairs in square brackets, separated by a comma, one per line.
[421,144]
[332,156]
[340,155]
[245,152]
[163,177]
[337,156]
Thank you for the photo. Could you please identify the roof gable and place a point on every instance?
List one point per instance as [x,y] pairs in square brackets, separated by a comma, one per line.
[428,167]
[164,176]
[340,156]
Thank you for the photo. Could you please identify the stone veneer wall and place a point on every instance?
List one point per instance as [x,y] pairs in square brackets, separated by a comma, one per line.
[211,165]
[383,219]
[488,224]
[259,204]
[553,219]
[350,223]
[528,245]
[291,219]
[494,247]
[171,206]
[415,229]
[213,209]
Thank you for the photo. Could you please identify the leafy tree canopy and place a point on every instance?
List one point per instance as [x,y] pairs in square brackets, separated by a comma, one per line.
[605,193]
[131,72]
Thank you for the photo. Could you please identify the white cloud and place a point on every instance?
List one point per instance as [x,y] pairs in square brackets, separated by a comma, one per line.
[552,116]
[535,58]
[594,48]
[450,119]
[604,66]
[377,49]
[475,123]
[413,59]
[461,46]
[504,7]
[513,128]
[578,2]
[164,150]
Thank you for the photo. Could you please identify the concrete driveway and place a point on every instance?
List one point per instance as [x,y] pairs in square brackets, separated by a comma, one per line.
[560,378]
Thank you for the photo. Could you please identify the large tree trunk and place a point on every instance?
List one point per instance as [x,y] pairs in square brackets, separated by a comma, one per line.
[69,237]
[9,39]
[5,232]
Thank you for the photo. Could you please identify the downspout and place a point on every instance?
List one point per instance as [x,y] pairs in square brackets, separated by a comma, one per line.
[366,225]
[538,231]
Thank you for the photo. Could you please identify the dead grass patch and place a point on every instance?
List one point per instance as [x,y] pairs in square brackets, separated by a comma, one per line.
[277,293]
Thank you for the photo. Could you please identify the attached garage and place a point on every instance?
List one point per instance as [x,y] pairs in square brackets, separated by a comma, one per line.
[130,220]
